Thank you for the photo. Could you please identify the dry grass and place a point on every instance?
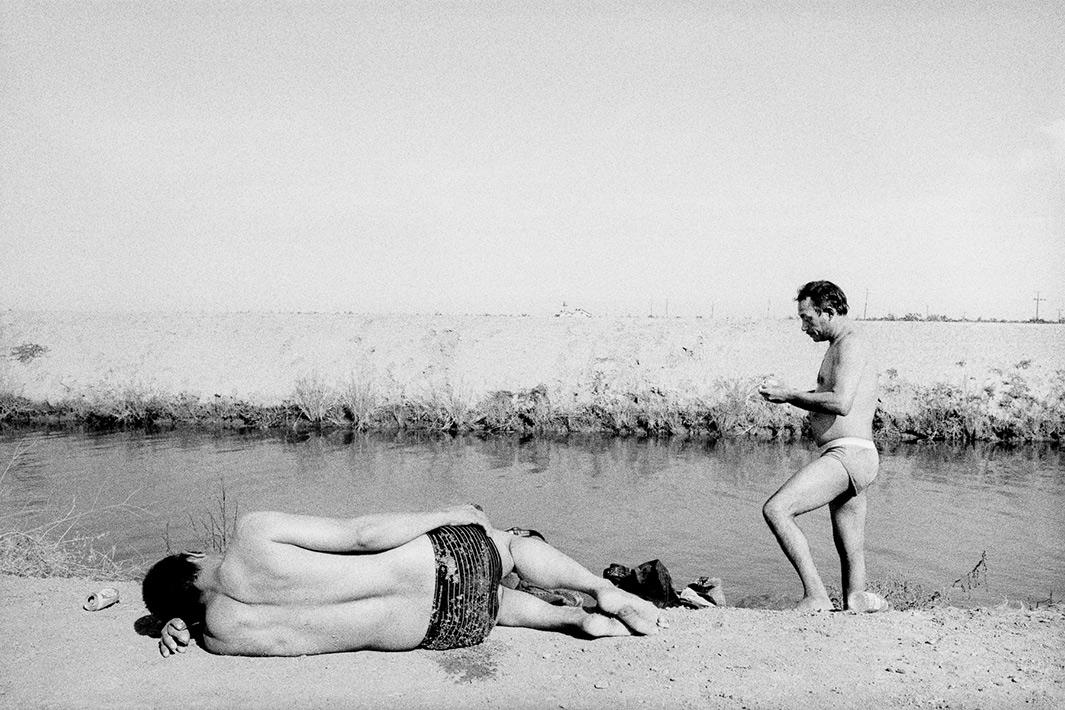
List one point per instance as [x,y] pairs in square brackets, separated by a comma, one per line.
[215,528]
[54,549]
[1006,409]
[904,594]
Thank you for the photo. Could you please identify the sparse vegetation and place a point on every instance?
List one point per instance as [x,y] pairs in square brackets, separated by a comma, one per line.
[904,594]
[28,352]
[52,549]
[215,528]
[1004,408]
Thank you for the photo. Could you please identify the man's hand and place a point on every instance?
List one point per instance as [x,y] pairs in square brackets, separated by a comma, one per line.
[467,514]
[174,637]
[775,392]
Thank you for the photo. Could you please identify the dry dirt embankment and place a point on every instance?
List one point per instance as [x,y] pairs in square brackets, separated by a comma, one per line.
[498,373]
[57,655]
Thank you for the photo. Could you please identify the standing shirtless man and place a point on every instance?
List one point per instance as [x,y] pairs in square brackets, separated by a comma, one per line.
[291,585]
[841,417]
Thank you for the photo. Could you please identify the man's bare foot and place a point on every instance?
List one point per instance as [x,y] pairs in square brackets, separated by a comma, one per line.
[599,626]
[638,614]
[814,604]
[867,602]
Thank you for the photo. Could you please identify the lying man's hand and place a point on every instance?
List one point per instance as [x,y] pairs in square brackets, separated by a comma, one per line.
[468,514]
[174,637]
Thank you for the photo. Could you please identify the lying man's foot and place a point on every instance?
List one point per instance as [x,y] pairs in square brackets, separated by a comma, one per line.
[599,625]
[639,615]
[867,602]
[815,604]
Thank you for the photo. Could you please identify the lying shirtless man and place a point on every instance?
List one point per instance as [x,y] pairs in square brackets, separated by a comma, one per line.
[291,585]
[841,417]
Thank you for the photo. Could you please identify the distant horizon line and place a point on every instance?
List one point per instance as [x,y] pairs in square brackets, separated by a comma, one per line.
[583,314]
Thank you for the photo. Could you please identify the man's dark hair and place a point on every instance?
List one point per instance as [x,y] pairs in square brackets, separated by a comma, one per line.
[825,296]
[169,589]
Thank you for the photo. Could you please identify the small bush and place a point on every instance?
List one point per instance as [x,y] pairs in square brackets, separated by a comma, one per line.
[28,352]
[316,402]
[358,401]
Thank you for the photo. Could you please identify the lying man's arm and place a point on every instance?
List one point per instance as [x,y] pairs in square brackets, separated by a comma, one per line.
[368,533]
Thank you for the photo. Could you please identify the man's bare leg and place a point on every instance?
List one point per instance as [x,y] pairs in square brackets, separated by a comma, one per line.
[814,485]
[519,608]
[542,565]
[848,532]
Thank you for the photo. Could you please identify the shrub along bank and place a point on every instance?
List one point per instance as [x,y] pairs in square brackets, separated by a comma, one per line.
[1006,409]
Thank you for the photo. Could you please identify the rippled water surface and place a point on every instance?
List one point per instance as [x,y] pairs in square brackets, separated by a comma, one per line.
[695,506]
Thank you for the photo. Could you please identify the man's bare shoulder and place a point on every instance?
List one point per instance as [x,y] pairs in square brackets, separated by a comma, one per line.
[854,345]
[255,538]
[258,525]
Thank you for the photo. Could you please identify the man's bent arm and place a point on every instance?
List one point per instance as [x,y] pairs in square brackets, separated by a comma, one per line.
[839,399]
[829,402]
[368,533]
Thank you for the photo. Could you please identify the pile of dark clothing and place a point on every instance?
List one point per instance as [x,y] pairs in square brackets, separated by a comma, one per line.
[652,581]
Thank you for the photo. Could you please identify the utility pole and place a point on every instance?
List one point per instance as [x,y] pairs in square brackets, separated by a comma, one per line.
[865,310]
[1037,299]
[667,308]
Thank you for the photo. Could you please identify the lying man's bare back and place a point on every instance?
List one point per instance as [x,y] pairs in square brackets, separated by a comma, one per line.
[294,585]
[841,409]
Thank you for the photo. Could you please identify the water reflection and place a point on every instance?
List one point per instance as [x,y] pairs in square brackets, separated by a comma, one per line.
[696,505]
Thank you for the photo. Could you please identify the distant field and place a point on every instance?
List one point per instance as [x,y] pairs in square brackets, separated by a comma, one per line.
[264,359]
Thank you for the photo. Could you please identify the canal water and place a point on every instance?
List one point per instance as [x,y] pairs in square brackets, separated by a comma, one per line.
[934,511]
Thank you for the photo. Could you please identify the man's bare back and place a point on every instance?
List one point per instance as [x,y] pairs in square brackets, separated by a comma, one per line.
[295,585]
[280,599]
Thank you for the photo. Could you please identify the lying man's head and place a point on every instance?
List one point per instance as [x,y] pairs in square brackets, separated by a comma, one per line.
[170,590]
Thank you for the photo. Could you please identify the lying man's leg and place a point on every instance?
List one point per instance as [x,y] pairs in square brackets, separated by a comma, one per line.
[522,609]
[538,563]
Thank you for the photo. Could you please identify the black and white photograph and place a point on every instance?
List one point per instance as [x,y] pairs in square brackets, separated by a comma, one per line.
[532,354]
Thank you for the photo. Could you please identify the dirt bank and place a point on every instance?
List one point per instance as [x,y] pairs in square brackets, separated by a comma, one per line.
[959,381]
[60,656]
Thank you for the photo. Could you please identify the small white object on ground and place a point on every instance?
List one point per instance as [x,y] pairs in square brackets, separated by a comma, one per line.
[101,599]
[690,595]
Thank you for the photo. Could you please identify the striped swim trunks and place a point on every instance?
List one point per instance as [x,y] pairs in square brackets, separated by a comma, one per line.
[466,600]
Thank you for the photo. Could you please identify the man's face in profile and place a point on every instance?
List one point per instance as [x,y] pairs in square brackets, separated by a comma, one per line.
[814,323]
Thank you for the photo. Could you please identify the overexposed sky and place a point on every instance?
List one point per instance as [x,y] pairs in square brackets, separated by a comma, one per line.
[505,157]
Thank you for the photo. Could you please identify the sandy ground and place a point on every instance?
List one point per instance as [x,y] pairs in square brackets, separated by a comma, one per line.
[56,655]
[259,357]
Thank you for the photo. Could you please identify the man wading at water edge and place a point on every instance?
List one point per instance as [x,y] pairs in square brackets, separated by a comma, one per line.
[841,417]
[292,585]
